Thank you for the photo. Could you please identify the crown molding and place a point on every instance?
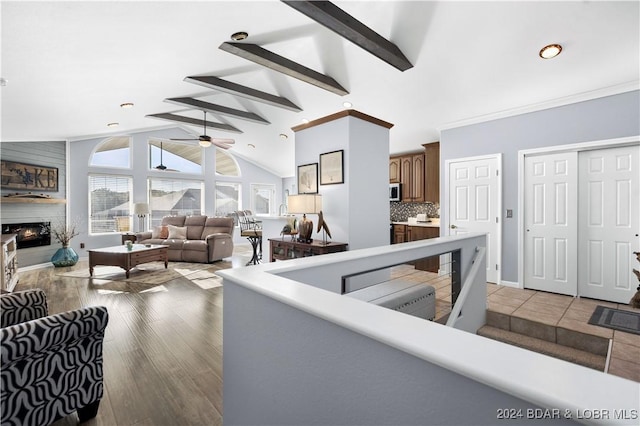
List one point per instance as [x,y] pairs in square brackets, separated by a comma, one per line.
[567,100]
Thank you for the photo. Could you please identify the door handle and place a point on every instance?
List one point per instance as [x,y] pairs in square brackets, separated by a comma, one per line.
[453,227]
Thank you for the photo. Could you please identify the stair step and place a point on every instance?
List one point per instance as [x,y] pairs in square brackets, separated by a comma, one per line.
[576,356]
[555,334]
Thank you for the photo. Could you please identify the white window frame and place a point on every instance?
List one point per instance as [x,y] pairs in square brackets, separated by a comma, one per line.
[150,179]
[90,199]
[258,188]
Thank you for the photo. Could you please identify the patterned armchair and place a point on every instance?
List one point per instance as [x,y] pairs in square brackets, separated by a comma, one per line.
[51,365]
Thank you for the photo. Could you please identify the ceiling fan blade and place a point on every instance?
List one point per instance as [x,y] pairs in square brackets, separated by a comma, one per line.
[220,144]
[191,139]
[223,140]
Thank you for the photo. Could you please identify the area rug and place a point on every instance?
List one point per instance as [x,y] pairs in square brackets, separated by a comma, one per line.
[154,273]
[616,319]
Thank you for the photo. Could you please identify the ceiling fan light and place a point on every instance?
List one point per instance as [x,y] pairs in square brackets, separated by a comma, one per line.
[204,143]
[550,51]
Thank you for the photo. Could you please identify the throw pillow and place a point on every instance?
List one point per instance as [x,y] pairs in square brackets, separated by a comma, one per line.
[177,232]
[161,232]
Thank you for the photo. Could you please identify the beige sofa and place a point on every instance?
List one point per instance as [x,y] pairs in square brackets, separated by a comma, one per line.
[192,238]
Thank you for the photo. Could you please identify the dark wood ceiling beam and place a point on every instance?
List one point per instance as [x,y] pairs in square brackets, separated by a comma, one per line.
[266,58]
[217,109]
[243,91]
[337,20]
[195,121]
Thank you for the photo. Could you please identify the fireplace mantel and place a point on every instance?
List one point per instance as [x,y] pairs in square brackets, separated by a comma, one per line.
[33,200]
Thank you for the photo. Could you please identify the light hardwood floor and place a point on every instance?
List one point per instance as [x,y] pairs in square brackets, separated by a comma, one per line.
[163,344]
[162,349]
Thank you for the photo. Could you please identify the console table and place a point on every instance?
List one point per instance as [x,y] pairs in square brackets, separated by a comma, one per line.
[286,249]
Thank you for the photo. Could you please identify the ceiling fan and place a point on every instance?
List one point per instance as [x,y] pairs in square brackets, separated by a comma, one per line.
[205,141]
[161,166]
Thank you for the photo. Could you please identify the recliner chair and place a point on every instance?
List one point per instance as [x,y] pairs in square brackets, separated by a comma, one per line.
[51,365]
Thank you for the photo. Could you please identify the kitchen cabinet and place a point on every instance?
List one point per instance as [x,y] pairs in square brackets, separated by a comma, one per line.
[399,234]
[394,170]
[412,177]
[432,172]
[417,233]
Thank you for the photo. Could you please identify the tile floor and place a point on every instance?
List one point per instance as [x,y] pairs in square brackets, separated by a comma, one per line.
[573,314]
[558,311]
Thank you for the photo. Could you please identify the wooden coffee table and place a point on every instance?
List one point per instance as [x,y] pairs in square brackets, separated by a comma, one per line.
[127,259]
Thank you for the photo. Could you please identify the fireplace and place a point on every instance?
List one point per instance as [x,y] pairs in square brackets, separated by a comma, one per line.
[32,234]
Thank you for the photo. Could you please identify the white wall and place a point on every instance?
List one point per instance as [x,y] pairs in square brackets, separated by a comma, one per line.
[357,211]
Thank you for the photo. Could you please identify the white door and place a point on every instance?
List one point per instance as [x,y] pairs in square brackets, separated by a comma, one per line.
[475,204]
[550,219]
[609,223]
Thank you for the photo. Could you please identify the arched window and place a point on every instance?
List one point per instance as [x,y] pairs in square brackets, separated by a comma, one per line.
[226,165]
[175,156]
[113,152]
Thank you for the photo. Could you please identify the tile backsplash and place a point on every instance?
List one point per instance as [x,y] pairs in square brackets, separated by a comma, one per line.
[400,211]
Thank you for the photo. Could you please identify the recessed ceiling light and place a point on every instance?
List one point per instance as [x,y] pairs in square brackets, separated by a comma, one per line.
[283,136]
[126,105]
[305,120]
[113,124]
[550,51]
[250,145]
[3,81]
[347,104]
[240,35]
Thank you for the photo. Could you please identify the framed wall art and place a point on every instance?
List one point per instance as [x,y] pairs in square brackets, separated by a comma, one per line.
[308,179]
[29,177]
[332,167]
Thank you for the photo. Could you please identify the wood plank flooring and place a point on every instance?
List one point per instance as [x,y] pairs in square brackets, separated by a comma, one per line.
[163,345]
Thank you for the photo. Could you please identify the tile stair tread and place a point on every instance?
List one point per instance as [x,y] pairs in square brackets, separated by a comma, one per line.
[555,350]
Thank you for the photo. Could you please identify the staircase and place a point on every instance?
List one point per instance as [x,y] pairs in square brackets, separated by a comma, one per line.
[570,345]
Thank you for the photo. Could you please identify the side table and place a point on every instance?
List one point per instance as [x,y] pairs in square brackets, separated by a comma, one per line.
[284,249]
[128,237]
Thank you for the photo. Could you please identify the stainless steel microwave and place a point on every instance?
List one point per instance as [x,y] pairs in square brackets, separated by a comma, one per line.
[394,192]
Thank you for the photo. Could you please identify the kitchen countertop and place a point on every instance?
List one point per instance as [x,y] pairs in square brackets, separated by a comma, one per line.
[435,223]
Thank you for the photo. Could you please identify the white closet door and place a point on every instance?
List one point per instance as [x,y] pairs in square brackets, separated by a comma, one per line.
[550,219]
[609,223]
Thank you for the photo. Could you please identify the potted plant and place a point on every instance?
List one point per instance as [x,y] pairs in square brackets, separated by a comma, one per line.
[63,233]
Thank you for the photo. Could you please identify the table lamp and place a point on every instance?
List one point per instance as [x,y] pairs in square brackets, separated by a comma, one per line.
[305,204]
[141,209]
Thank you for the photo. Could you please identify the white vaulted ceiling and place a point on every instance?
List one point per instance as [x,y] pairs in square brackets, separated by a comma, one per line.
[69,65]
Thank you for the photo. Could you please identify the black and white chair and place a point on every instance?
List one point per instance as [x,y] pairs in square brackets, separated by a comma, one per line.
[51,364]
[251,229]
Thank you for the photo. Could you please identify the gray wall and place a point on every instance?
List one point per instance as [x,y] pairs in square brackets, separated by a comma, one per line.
[50,154]
[598,119]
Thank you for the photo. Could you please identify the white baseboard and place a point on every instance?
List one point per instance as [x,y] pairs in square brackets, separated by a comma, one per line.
[510,284]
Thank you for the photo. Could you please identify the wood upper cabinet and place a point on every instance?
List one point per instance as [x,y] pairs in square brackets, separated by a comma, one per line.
[394,170]
[412,177]
[432,172]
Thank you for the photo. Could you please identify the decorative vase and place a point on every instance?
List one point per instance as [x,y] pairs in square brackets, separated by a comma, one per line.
[65,256]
